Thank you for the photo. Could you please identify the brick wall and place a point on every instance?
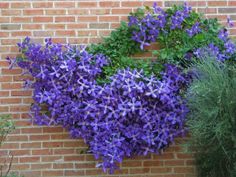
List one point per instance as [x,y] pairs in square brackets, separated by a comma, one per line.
[43,151]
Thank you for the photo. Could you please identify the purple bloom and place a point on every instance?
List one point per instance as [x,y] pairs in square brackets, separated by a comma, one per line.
[223,35]
[229,22]
[230,47]
[195,29]
[122,118]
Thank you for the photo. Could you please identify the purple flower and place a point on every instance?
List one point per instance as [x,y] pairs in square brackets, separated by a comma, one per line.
[223,35]
[195,29]
[230,47]
[229,22]
[122,118]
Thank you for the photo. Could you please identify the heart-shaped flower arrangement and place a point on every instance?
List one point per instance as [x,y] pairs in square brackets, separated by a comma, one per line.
[134,113]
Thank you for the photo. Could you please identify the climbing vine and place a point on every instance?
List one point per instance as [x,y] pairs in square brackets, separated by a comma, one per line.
[123,107]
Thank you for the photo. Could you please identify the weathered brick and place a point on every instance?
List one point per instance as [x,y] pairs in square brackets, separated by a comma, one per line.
[20,5]
[42,4]
[64,4]
[227,10]
[171,3]
[11,12]
[87,19]
[4,5]
[99,25]
[65,19]
[56,12]
[10,27]
[43,19]
[87,4]
[33,12]
[109,4]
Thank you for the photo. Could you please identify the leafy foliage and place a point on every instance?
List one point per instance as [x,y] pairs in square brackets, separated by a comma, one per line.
[212,102]
[6,126]
[180,32]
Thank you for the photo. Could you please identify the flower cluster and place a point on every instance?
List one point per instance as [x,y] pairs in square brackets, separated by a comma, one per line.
[214,51]
[159,25]
[154,23]
[149,26]
[195,29]
[179,16]
[133,114]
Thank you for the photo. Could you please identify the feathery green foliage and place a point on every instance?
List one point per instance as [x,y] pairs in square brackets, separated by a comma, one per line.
[6,126]
[212,121]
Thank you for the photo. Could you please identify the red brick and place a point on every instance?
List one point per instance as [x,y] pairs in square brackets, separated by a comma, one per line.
[64,4]
[131,164]
[217,3]
[4,109]
[153,163]
[21,33]
[10,146]
[174,163]
[184,170]
[87,19]
[20,5]
[32,26]
[4,93]
[18,138]
[29,159]
[11,12]
[43,19]
[53,173]
[10,100]
[31,145]
[31,173]
[77,26]
[41,152]
[19,167]
[139,170]
[4,19]
[74,172]
[109,4]
[42,4]
[21,152]
[52,129]
[65,19]
[20,19]
[74,158]
[78,11]
[161,170]
[51,158]
[65,33]
[56,12]
[54,26]
[121,11]
[131,4]
[64,151]
[33,12]
[43,33]
[109,19]
[39,137]
[4,5]
[100,11]
[87,4]
[41,166]
[52,144]
[63,165]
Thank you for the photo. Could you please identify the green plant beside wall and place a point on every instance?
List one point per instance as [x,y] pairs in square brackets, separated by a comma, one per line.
[212,121]
[6,126]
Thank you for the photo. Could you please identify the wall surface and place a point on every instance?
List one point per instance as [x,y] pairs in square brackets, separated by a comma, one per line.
[43,151]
